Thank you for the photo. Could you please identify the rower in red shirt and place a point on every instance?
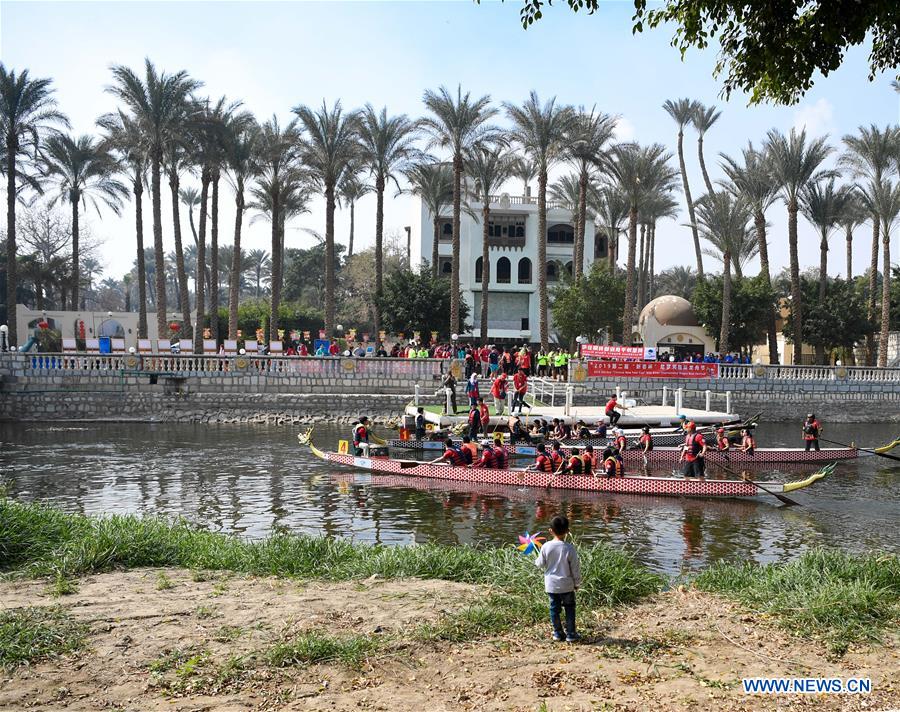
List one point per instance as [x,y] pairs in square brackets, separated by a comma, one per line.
[557,457]
[646,444]
[485,414]
[542,462]
[575,465]
[486,461]
[693,453]
[748,442]
[612,466]
[501,459]
[621,442]
[452,455]
[587,461]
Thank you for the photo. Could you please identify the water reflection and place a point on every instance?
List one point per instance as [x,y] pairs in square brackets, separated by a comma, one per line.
[253,480]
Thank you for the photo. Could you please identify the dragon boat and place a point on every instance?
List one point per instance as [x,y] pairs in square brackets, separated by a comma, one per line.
[630,484]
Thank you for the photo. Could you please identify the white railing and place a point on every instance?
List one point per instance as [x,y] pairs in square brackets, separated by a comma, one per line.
[194,365]
[859,374]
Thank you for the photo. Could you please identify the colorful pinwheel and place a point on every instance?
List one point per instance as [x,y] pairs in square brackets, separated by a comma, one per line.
[530,543]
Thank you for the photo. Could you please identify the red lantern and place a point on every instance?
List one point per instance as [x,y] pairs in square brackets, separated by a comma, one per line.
[174,326]
[43,325]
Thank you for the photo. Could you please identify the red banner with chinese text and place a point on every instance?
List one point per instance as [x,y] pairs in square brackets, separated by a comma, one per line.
[652,369]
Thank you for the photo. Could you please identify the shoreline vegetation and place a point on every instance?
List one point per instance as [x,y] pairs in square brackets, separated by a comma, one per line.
[436,602]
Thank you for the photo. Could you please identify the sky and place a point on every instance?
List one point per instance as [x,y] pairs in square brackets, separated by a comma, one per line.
[276,55]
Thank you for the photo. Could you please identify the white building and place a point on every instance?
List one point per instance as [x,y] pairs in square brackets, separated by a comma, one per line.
[513,305]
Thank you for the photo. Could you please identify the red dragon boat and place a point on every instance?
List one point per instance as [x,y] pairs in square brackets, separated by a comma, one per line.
[659,486]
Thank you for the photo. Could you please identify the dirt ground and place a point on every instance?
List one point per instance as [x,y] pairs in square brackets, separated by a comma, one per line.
[164,640]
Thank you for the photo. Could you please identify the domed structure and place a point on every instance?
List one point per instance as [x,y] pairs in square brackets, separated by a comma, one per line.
[669,325]
[669,310]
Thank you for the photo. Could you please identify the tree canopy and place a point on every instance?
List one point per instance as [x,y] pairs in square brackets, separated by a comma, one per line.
[417,301]
[752,301]
[589,304]
[839,321]
[769,50]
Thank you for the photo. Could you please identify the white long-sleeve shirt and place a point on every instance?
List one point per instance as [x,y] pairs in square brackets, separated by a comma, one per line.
[562,569]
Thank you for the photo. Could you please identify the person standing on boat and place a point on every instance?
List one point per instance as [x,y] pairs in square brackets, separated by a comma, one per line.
[811,431]
[748,442]
[452,455]
[621,442]
[361,436]
[611,405]
[498,392]
[449,384]
[693,453]
[420,423]
[723,445]
[646,443]
[542,463]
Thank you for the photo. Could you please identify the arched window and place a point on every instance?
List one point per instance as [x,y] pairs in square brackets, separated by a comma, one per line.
[504,269]
[601,246]
[110,327]
[447,230]
[553,271]
[569,268]
[525,271]
[479,269]
[446,266]
[561,233]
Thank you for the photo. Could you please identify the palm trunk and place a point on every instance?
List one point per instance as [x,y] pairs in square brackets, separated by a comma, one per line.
[543,303]
[873,285]
[580,225]
[652,283]
[725,331]
[612,246]
[485,267]
[706,179]
[690,205]
[329,259]
[184,300]
[159,254]
[628,312]
[885,298]
[796,295]
[275,287]
[434,247]
[234,285]
[214,260]
[642,266]
[823,277]
[759,222]
[138,189]
[11,150]
[379,246]
[454,271]
[200,278]
[849,236]
[352,226]
[75,275]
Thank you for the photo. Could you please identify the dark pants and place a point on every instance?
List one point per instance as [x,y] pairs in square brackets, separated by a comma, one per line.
[518,399]
[814,443]
[474,428]
[613,416]
[452,401]
[696,468]
[566,601]
[420,434]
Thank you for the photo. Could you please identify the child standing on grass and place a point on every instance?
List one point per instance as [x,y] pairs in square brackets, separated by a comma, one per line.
[558,559]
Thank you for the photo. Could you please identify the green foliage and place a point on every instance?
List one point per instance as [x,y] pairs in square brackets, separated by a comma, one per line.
[594,302]
[304,274]
[28,635]
[312,647]
[752,302]
[253,314]
[838,322]
[837,597]
[770,51]
[416,301]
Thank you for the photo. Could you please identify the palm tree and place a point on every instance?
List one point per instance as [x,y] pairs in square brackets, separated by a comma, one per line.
[191,197]
[703,120]
[853,216]
[612,212]
[883,201]
[490,166]
[723,221]
[241,140]
[433,183]
[677,280]
[27,113]
[386,147]
[350,190]
[683,111]
[259,265]
[328,149]
[176,157]
[637,172]
[752,181]
[587,139]
[794,163]
[279,177]
[156,105]
[870,156]
[541,130]
[84,173]
[657,206]
[457,123]
[124,137]
[565,192]
[524,170]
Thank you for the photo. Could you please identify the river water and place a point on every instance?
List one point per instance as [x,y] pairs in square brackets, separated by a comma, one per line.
[252,480]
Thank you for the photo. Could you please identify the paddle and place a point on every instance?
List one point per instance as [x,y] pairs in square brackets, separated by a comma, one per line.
[787,501]
[863,449]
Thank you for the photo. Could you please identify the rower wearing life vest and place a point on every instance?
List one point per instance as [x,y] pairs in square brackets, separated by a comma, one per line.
[612,466]
[542,462]
[722,442]
[693,453]
[575,465]
[811,431]
[469,450]
[474,421]
[361,436]
[748,442]
[485,415]
[557,457]
[581,430]
[486,461]
[501,458]
[453,455]
[587,461]
[620,443]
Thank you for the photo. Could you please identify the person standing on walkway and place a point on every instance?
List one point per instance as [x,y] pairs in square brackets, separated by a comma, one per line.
[498,392]
[449,384]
